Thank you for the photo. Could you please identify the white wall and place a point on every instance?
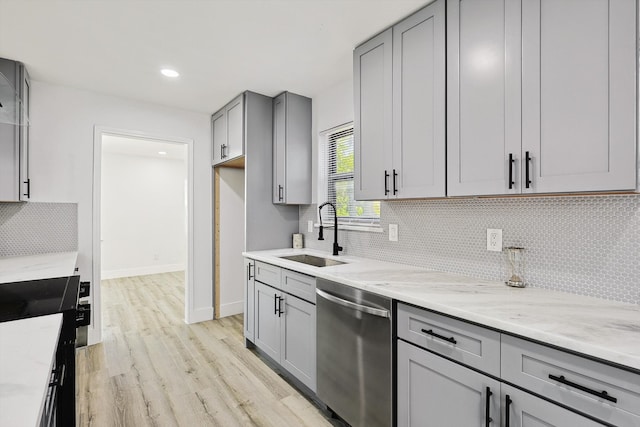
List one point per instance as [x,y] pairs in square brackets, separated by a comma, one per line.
[143,215]
[331,108]
[62,127]
[231,241]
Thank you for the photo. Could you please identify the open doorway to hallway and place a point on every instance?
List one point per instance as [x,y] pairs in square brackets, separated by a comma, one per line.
[142,221]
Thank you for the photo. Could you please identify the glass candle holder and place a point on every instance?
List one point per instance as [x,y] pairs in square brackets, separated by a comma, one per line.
[514,258]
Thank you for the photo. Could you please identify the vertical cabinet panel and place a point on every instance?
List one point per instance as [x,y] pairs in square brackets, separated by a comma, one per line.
[219,132]
[525,410]
[291,149]
[235,129]
[436,392]
[373,116]
[25,179]
[279,148]
[579,94]
[249,295]
[483,96]
[267,322]
[418,104]
[298,339]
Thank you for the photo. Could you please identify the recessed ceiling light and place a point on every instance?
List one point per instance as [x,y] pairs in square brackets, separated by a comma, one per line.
[168,72]
[162,153]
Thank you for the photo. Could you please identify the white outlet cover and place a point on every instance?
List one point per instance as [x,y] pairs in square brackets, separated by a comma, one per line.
[494,239]
[393,232]
[310,226]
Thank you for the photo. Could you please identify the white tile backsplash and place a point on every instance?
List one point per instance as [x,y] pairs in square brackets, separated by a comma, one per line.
[587,245]
[36,228]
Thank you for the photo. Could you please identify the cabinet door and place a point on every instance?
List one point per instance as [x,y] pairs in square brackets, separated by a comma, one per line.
[249,295]
[579,95]
[298,339]
[419,104]
[219,133]
[483,97]
[267,323]
[235,128]
[25,94]
[279,148]
[433,391]
[372,77]
[526,410]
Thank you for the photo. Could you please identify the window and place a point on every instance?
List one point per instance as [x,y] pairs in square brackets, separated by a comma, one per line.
[337,177]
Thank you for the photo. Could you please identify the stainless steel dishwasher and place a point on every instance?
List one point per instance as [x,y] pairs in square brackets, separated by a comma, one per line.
[354,354]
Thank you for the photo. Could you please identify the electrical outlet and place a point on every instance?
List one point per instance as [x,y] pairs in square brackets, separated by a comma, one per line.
[310,226]
[494,239]
[393,232]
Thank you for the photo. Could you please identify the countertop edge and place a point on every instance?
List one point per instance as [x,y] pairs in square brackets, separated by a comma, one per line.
[607,355]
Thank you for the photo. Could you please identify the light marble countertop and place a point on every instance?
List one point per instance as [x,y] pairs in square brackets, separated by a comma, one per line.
[603,329]
[34,267]
[27,352]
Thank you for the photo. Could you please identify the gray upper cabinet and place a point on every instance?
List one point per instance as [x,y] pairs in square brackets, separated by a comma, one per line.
[372,68]
[483,89]
[419,104]
[291,149]
[227,128]
[15,88]
[541,96]
[579,95]
[399,89]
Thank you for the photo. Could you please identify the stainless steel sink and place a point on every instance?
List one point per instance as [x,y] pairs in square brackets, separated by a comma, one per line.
[316,261]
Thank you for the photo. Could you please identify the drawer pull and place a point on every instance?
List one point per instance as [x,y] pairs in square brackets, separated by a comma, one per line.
[601,394]
[507,410]
[442,337]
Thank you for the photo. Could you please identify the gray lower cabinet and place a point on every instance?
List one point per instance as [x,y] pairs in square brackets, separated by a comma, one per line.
[298,339]
[522,409]
[433,391]
[249,295]
[285,329]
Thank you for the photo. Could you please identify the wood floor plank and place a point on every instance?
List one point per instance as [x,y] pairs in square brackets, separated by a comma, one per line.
[152,369]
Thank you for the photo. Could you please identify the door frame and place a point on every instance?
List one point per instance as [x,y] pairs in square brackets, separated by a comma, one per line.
[95,330]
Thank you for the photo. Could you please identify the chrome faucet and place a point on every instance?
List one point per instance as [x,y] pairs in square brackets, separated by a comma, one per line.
[336,247]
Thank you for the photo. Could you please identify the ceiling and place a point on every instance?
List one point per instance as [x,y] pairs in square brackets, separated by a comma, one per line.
[220,47]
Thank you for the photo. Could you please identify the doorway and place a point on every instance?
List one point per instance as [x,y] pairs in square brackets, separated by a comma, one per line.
[143,213]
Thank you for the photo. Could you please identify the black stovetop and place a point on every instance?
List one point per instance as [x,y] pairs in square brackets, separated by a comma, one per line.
[19,300]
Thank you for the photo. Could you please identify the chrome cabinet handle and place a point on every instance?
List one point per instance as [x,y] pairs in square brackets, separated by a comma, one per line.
[352,305]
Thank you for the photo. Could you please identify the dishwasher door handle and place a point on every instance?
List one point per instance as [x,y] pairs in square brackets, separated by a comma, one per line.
[352,305]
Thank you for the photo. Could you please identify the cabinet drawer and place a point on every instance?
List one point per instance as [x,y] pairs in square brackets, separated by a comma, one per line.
[460,341]
[579,382]
[300,285]
[268,274]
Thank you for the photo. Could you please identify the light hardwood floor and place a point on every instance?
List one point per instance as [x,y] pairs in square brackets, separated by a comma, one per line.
[154,370]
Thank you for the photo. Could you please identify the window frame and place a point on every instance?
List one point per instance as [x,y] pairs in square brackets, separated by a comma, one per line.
[328,177]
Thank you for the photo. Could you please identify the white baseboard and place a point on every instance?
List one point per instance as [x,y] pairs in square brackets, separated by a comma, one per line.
[231,308]
[141,271]
[200,315]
